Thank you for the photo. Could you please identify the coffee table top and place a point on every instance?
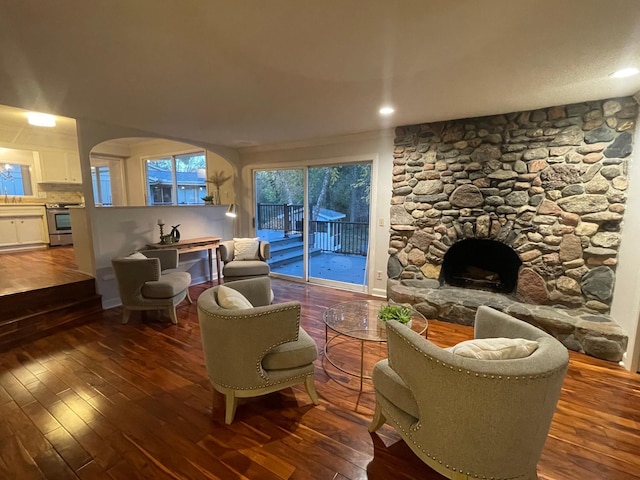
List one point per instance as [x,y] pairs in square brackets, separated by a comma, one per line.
[359,319]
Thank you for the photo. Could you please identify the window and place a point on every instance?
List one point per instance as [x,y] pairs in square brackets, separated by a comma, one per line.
[101,179]
[15,172]
[176,179]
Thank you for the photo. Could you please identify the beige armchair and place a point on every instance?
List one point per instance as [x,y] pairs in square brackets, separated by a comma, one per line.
[151,283]
[469,418]
[236,269]
[255,351]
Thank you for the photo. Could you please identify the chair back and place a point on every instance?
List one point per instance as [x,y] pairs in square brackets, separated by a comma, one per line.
[131,274]
[485,416]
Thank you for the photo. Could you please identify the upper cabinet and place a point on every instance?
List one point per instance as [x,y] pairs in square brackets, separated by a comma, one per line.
[60,167]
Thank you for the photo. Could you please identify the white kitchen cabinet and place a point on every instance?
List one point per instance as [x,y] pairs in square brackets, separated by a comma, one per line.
[8,232]
[22,227]
[60,167]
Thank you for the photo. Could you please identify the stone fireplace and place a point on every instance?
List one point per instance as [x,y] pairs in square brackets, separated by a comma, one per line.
[526,208]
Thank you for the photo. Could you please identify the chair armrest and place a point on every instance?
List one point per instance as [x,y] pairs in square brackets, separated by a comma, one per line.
[226,251]
[168,257]
[235,341]
[265,250]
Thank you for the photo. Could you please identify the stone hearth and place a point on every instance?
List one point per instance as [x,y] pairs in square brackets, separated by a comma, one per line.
[548,184]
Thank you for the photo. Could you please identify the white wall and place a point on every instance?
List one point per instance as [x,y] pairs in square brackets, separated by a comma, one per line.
[625,307]
[375,147]
[124,230]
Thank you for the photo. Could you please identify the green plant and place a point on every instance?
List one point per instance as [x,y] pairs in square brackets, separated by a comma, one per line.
[395,312]
[208,198]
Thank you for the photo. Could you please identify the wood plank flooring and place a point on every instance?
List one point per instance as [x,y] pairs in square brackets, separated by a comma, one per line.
[110,401]
[34,269]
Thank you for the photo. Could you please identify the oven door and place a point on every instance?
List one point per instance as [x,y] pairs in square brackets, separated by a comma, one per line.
[59,226]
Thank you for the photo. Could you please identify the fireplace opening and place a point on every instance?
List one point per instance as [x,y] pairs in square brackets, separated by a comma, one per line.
[481,264]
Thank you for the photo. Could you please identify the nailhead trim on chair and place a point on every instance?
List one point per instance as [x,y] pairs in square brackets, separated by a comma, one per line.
[418,425]
[259,368]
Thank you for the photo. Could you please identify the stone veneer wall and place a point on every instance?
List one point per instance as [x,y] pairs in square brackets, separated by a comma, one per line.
[549,183]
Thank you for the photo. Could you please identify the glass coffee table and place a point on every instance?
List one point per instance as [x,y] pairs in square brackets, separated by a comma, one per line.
[359,321]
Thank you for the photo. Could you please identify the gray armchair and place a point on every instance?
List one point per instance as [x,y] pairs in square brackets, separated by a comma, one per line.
[468,418]
[255,351]
[235,269]
[151,283]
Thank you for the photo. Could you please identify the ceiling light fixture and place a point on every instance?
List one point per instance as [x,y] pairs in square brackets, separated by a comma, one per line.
[41,119]
[386,110]
[625,72]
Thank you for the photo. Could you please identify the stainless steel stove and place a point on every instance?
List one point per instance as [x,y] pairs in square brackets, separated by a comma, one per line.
[59,223]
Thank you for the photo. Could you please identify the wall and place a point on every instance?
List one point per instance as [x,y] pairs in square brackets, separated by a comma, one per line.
[375,147]
[124,230]
[625,307]
[112,231]
[57,140]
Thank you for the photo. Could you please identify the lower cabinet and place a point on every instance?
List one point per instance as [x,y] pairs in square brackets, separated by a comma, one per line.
[22,229]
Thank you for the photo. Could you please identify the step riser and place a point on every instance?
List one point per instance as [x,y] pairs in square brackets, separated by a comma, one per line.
[29,315]
[26,303]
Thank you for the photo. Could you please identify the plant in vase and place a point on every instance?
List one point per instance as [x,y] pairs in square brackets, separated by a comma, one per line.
[208,199]
[217,179]
[395,312]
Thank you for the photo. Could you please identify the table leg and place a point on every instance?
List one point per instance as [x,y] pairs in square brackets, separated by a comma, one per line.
[210,266]
[361,363]
[218,267]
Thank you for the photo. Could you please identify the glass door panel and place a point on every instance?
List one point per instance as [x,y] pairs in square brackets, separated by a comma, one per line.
[280,219]
[338,240]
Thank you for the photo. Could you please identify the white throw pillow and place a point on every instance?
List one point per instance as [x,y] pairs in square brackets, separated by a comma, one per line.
[137,256]
[495,348]
[232,299]
[246,248]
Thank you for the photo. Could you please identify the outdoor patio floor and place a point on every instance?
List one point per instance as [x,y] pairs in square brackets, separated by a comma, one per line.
[330,266]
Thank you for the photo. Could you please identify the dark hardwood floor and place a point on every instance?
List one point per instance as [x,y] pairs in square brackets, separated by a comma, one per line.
[113,401]
[35,269]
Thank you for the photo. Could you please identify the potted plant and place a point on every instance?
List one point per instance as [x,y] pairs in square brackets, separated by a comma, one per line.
[395,312]
[208,199]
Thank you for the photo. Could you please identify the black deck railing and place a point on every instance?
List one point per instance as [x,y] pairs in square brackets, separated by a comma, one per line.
[341,237]
[282,217]
[336,236]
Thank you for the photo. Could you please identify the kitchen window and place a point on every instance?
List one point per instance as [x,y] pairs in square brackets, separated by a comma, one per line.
[101,179]
[176,179]
[15,172]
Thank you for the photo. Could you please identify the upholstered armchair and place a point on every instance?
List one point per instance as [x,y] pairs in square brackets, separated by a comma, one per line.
[244,258]
[466,417]
[149,280]
[254,351]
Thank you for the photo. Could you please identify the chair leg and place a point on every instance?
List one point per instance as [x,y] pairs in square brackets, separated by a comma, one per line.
[311,389]
[173,315]
[378,419]
[126,313]
[231,402]
[189,296]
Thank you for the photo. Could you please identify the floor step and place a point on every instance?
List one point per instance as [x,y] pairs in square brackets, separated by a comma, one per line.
[30,315]
[292,256]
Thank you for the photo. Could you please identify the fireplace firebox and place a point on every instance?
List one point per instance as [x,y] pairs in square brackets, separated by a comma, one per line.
[481,264]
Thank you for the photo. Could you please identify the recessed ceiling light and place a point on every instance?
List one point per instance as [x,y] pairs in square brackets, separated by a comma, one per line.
[625,72]
[386,110]
[41,119]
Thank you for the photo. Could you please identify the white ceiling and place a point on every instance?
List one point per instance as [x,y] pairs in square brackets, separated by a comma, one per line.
[245,72]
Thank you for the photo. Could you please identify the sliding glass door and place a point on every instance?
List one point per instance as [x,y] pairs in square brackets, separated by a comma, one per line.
[317,221]
[279,214]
